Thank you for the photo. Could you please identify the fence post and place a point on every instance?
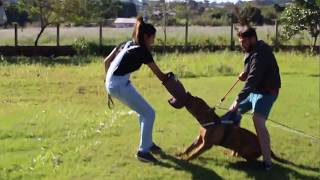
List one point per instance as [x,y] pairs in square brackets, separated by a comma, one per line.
[187,25]
[15,34]
[277,35]
[231,37]
[187,32]
[165,25]
[58,34]
[100,37]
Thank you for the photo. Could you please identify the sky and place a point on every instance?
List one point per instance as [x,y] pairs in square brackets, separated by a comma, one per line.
[218,1]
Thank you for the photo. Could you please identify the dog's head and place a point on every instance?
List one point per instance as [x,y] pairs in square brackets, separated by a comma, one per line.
[201,110]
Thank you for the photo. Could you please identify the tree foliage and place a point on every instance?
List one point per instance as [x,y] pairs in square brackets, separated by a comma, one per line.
[14,14]
[48,11]
[249,15]
[301,16]
[51,12]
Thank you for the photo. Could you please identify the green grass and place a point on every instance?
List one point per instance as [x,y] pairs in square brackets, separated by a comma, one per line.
[55,124]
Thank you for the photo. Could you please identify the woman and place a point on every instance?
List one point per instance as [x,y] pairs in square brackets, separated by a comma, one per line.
[120,63]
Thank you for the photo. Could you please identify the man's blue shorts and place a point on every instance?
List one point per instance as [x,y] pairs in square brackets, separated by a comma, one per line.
[259,103]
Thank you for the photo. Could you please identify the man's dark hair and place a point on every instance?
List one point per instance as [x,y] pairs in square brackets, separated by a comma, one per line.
[247,32]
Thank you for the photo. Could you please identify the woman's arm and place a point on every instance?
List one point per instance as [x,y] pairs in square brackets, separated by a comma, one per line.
[107,61]
[155,69]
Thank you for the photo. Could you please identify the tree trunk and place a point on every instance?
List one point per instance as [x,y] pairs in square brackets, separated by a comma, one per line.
[42,24]
[40,33]
[165,24]
[313,49]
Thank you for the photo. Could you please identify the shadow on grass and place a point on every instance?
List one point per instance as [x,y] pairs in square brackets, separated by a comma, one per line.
[315,75]
[254,170]
[256,164]
[278,171]
[198,172]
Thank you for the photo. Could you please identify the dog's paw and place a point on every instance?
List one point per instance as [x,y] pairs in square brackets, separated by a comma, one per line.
[231,153]
[179,154]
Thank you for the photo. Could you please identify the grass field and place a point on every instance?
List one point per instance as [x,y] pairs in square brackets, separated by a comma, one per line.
[55,124]
[112,36]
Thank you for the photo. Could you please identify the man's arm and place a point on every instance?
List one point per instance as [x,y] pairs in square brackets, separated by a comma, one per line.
[256,72]
[254,76]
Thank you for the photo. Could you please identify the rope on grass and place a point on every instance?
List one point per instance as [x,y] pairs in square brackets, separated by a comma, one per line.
[283,127]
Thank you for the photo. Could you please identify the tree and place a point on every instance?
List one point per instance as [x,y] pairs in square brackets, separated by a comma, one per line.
[16,15]
[90,11]
[301,16]
[3,17]
[51,12]
[250,14]
[128,9]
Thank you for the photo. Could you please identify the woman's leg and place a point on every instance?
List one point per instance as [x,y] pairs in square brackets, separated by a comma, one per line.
[129,96]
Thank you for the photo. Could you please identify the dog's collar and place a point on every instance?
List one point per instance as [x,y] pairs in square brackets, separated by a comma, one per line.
[208,124]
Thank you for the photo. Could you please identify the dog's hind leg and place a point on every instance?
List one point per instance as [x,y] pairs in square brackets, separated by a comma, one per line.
[189,149]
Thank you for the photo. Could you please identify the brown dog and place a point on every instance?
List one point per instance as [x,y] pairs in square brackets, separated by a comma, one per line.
[213,132]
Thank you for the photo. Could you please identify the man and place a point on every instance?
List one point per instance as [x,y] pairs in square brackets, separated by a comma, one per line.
[261,89]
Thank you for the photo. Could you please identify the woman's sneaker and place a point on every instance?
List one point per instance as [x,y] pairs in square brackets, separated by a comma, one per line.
[146,157]
[155,149]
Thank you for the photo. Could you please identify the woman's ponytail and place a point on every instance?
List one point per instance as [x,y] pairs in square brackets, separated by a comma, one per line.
[140,29]
[137,31]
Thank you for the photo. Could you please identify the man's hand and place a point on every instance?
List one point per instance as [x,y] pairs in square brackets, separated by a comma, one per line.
[234,106]
[242,76]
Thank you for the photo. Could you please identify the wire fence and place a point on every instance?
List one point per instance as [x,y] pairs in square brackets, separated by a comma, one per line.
[196,35]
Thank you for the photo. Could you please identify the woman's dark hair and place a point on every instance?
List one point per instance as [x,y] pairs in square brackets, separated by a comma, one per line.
[1,3]
[140,29]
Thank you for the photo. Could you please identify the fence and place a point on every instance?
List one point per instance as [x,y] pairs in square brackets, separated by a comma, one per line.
[185,33]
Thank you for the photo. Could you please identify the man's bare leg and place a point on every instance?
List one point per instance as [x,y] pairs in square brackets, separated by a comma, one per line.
[263,136]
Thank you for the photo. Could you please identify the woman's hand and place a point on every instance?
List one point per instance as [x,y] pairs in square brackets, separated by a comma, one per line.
[156,70]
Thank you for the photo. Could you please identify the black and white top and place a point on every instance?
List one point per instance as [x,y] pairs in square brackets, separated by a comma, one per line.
[134,57]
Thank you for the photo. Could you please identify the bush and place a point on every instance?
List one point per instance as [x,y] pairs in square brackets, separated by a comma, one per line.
[81,46]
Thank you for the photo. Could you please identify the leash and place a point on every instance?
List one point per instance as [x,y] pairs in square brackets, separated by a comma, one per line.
[277,124]
[110,102]
[224,97]
[282,126]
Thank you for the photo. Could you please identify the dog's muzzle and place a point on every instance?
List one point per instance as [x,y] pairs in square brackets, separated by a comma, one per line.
[177,90]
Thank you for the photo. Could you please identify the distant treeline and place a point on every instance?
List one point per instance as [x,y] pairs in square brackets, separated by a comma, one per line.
[177,13]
